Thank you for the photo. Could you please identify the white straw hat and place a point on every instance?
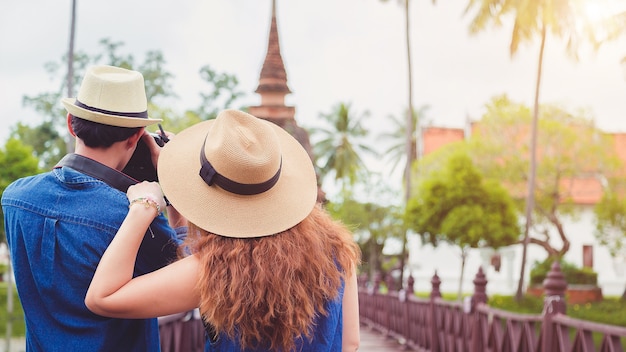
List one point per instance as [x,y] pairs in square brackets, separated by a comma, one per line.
[111,96]
[238,176]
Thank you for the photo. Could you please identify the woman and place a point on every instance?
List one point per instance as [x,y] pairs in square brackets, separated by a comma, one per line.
[267,267]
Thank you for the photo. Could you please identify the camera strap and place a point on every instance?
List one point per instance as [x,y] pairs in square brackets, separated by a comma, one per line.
[160,250]
[102,172]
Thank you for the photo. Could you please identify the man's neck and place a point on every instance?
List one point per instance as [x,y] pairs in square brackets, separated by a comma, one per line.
[113,157]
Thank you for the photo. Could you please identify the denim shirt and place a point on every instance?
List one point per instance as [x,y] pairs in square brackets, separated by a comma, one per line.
[58,224]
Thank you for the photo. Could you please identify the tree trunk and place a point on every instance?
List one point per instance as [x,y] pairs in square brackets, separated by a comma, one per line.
[409,135]
[459,296]
[530,200]
[69,144]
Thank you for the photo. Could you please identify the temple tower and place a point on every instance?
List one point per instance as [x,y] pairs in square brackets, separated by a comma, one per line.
[273,89]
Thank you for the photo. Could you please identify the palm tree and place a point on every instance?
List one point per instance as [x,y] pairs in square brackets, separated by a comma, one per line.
[563,19]
[396,152]
[409,147]
[342,145]
[402,146]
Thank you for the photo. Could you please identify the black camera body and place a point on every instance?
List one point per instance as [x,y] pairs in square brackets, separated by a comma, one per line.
[140,165]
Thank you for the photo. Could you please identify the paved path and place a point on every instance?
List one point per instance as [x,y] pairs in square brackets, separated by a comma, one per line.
[374,341]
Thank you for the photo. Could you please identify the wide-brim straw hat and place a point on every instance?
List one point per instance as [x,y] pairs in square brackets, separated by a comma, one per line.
[238,176]
[111,96]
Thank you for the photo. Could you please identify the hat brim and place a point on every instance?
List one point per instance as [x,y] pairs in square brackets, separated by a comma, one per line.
[218,211]
[106,119]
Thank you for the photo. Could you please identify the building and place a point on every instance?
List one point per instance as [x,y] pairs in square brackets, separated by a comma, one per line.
[584,250]
[273,88]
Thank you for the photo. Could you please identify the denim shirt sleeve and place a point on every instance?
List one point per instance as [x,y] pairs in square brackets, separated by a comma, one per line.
[158,248]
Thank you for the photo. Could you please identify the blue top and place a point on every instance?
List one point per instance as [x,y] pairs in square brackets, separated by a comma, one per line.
[58,224]
[327,335]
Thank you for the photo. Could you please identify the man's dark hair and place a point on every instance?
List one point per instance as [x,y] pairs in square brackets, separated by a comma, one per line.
[97,135]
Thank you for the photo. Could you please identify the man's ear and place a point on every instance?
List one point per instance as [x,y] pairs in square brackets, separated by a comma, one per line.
[69,125]
[132,140]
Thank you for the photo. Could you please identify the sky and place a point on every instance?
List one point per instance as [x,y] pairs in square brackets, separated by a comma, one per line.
[350,51]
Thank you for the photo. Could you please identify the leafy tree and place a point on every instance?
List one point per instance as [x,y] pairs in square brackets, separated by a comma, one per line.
[341,144]
[572,149]
[222,94]
[534,18]
[16,161]
[50,138]
[610,218]
[456,204]
[373,224]
[396,152]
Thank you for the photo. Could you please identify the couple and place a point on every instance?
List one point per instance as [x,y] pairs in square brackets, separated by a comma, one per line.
[232,228]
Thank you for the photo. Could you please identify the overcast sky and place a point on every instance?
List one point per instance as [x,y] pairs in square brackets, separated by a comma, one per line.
[334,51]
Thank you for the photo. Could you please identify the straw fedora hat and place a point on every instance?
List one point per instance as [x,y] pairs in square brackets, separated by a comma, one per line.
[238,176]
[111,96]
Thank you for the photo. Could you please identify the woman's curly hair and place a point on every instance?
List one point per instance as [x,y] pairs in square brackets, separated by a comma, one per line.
[267,291]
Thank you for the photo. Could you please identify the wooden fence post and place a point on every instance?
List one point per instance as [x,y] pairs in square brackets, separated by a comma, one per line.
[433,321]
[554,286]
[477,343]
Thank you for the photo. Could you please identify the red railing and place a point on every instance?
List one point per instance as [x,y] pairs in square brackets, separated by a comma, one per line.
[432,324]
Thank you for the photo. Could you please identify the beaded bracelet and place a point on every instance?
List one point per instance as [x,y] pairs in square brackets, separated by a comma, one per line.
[147,202]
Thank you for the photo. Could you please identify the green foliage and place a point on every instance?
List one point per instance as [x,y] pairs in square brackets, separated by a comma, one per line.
[16,161]
[18,327]
[396,152]
[610,220]
[372,225]
[573,274]
[222,94]
[340,145]
[50,138]
[456,204]
[570,148]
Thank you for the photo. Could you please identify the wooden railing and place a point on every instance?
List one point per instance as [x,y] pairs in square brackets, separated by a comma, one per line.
[432,324]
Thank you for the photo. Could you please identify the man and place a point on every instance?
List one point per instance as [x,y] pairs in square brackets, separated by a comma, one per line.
[59,223]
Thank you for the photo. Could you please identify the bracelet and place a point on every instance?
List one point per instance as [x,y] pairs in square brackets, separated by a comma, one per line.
[147,202]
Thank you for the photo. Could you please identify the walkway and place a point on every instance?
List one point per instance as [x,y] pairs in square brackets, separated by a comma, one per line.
[374,341]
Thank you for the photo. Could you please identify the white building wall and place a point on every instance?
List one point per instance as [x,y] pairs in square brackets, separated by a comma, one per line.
[424,260]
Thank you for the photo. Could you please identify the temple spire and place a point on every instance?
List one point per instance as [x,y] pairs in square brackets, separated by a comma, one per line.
[273,88]
[273,79]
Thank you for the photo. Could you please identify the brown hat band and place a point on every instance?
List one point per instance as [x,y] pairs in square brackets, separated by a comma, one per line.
[211,176]
[143,114]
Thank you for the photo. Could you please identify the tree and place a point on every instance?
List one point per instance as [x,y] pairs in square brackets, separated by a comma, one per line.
[572,149]
[411,123]
[50,138]
[610,217]
[456,204]
[533,18]
[373,224]
[340,145]
[223,92]
[16,161]
[398,151]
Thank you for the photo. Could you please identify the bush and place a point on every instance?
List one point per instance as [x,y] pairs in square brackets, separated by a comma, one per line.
[573,275]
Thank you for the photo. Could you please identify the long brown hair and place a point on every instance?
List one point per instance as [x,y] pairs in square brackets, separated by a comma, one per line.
[267,291]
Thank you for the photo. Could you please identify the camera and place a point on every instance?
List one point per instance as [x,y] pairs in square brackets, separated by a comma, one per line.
[140,165]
